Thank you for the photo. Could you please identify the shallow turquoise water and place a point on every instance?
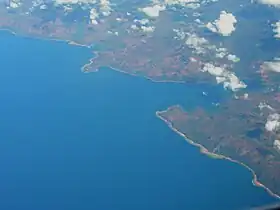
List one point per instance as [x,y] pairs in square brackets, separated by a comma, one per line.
[70,140]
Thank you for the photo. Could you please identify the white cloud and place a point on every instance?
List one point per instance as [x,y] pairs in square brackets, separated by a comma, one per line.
[120,19]
[161,5]
[221,54]
[233,83]
[224,76]
[273,122]
[197,43]
[147,29]
[213,70]
[233,58]
[153,11]
[193,5]
[75,1]
[43,7]
[202,45]
[14,4]
[142,21]
[246,96]
[105,7]
[271,65]
[142,26]
[225,25]
[134,27]
[275,3]
[180,35]
[180,2]
[93,16]
[276,144]
[276,29]
[263,105]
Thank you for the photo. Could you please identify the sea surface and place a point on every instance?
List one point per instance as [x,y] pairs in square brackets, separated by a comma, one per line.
[76,141]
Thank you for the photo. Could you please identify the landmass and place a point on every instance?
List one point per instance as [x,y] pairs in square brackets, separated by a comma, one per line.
[261,160]
[232,44]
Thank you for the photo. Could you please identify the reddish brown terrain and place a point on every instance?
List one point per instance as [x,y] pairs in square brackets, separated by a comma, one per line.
[235,130]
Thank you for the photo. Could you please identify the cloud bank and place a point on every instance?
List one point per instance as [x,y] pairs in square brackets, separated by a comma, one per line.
[275,3]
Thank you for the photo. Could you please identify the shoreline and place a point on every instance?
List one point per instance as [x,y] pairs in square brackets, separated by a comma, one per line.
[96,53]
[70,42]
[124,72]
[203,150]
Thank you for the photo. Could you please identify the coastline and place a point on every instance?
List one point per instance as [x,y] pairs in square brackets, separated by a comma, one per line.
[203,150]
[125,72]
[71,42]
[91,60]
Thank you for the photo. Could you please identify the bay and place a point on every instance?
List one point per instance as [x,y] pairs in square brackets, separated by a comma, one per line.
[70,140]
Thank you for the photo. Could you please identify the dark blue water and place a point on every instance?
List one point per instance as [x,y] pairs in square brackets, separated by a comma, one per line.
[255,133]
[70,140]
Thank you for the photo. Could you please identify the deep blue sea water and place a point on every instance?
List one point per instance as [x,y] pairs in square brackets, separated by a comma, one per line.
[76,141]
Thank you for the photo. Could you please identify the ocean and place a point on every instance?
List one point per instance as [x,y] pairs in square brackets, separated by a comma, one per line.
[71,140]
